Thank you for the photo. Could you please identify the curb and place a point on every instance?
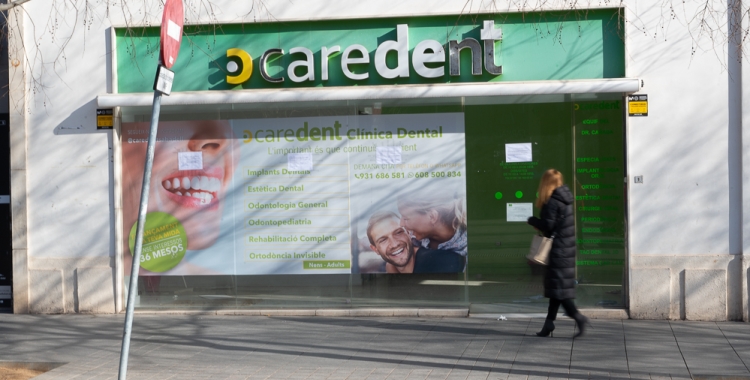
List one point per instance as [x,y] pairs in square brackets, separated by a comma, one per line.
[611,314]
[400,312]
[606,313]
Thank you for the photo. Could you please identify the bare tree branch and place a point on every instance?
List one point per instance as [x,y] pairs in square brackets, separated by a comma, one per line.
[51,42]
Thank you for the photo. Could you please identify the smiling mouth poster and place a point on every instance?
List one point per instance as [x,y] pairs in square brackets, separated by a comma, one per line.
[307,195]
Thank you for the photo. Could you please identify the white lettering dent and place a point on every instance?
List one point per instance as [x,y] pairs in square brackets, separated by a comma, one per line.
[420,57]
[489,35]
[401,46]
[489,32]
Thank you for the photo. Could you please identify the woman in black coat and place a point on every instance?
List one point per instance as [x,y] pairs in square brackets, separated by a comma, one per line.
[556,217]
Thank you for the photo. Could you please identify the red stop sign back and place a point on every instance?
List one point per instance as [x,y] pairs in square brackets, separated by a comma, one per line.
[171,32]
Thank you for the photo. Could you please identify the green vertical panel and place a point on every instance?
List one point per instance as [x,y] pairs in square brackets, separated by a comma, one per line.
[498,247]
[600,203]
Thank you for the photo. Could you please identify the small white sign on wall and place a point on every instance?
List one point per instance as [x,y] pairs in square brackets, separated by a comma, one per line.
[299,161]
[518,152]
[519,212]
[190,160]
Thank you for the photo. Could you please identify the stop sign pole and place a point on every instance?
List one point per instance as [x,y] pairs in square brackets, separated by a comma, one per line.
[171,36]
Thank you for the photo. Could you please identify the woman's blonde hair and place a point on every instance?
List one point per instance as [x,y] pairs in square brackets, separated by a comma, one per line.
[450,208]
[551,180]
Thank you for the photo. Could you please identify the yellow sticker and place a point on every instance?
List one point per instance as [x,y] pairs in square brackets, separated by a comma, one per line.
[638,107]
[105,120]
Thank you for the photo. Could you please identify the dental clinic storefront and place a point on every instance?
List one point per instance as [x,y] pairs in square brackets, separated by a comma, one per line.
[372,163]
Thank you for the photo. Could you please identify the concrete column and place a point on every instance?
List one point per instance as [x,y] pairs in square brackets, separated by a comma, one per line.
[734,135]
[17,95]
[745,154]
[117,205]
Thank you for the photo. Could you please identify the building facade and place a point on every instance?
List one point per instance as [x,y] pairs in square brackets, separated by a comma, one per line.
[381,156]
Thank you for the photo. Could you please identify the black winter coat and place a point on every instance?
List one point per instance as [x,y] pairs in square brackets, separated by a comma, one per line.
[560,274]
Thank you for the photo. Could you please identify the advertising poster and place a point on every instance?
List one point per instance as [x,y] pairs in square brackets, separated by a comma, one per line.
[339,194]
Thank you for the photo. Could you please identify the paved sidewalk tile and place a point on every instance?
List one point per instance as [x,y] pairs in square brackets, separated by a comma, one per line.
[458,374]
[518,375]
[497,375]
[660,377]
[542,376]
[438,374]
[247,347]
[399,373]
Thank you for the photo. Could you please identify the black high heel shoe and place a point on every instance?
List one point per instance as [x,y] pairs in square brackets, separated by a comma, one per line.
[581,323]
[547,329]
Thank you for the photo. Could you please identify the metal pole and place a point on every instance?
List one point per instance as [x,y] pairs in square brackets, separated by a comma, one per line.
[143,208]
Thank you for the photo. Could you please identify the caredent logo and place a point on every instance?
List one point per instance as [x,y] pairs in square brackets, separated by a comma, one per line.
[425,52]
[334,132]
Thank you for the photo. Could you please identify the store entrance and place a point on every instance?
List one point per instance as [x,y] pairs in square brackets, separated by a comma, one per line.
[508,147]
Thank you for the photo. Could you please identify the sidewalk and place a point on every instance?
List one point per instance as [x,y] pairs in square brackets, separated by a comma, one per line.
[243,347]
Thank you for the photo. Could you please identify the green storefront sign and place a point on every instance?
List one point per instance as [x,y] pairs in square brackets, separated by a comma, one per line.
[388,51]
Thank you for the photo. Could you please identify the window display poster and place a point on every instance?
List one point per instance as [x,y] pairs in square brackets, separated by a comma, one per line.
[339,194]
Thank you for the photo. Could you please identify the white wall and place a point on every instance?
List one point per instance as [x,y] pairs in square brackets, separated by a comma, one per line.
[68,162]
[680,219]
[681,147]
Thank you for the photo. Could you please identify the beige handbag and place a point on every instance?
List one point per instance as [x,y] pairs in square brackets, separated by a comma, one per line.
[540,246]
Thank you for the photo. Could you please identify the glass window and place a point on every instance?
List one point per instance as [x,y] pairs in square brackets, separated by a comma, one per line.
[486,158]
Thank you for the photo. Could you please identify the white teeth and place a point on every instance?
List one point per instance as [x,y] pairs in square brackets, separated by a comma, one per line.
[178,193]
[205,183]
[205,198]
[188,194]
[397,252]
[215,184]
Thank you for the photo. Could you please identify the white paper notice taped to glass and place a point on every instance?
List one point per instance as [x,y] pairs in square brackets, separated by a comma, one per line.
[388,155]
[518,152]
[299,161]
[190,160]
[519,212]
